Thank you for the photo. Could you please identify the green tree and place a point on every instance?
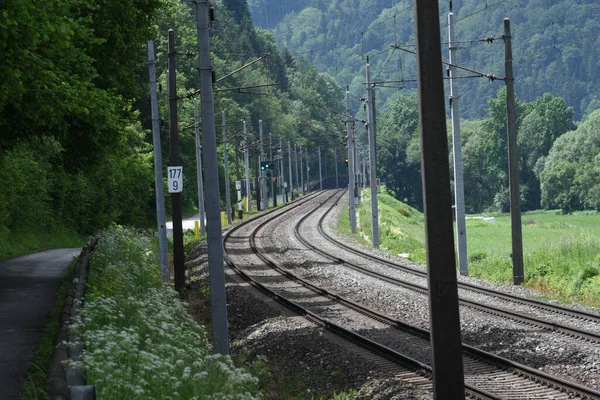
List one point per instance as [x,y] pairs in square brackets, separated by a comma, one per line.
[570,177]
[398,154]
[549,118]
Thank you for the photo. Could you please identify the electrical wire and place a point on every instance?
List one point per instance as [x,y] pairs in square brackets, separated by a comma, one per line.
[479,11]
[384,64]
[491,77]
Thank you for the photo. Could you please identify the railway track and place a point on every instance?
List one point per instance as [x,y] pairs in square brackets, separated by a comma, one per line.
[487,376]
[566,321]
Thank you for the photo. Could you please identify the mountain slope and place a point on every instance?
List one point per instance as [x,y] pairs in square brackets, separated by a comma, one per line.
[556,44]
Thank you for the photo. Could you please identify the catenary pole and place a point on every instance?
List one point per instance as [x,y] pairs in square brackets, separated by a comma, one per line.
[263,173]
[364,165]
[513,167]
[272,165]
[281,171]
[320,174]
[161,218]
[459,191]
[301,171]
[238,179]
[215,242]
[201,211]
[226,169]
[356,167]
[258,181]
[296,157]
[444,320]
[178,260]
[337,182]
[307,170]
[351,182]
[247,162]
[373,157]
[290,185]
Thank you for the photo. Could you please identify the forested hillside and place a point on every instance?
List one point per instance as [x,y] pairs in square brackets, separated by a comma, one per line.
[75,144]
[556,44]
[556,50]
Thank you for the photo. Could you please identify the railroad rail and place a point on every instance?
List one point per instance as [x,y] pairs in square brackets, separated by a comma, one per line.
[487,376]
[579,316]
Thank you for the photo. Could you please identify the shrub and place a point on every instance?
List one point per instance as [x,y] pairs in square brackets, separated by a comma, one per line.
[477,256]
[141,342]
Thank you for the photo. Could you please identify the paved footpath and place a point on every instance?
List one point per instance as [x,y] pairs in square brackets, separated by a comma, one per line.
[28,287]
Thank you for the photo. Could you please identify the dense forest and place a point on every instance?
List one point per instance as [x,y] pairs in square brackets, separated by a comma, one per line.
[556,44]
[556,48]
[76,146]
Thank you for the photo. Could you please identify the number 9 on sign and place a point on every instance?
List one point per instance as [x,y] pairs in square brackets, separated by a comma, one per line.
[175,179]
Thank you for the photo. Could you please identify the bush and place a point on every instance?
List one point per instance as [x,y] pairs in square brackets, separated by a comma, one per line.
[477,256]
[141,341]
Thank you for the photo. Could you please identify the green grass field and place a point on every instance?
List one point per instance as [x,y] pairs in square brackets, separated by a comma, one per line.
[561,252]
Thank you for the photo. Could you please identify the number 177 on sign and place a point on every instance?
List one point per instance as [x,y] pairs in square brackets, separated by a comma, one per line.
[175,179]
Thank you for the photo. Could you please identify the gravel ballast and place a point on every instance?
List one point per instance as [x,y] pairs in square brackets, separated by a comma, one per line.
[301,352]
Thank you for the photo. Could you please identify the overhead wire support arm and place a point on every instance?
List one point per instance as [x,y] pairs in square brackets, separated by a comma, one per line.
[196,92]
[380,83]
[491,77]
[245,87]
[243,67]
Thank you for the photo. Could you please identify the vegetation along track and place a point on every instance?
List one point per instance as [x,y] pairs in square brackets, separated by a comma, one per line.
[552,317]
[486,375]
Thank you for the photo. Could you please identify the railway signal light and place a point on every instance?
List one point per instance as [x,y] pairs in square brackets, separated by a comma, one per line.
[346,161]
[266,165]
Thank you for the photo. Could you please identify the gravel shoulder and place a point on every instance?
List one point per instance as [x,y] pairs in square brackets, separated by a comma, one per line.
[305,361]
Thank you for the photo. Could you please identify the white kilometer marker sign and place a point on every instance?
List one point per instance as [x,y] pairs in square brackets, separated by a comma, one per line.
[175,179]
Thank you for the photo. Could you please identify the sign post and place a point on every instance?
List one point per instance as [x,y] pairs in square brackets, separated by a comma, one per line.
[175,179]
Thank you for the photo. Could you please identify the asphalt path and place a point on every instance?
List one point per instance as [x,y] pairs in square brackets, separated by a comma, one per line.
[28,288]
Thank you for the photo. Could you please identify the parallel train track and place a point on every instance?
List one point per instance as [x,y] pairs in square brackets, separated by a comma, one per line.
[580,315]
[488,376]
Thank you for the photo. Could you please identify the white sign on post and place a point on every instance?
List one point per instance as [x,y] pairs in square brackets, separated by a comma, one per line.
[238,185]
[175,179]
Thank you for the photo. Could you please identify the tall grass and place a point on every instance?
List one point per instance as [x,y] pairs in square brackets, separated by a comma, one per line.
[26,241]
[141,341]
[561,252]
[400,226]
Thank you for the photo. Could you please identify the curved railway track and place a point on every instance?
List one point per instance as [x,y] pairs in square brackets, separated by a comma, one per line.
[575,314]
[487,376]
[548,323]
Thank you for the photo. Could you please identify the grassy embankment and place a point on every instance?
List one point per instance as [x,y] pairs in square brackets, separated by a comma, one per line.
[141,340]
[14,244]
[561,252]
